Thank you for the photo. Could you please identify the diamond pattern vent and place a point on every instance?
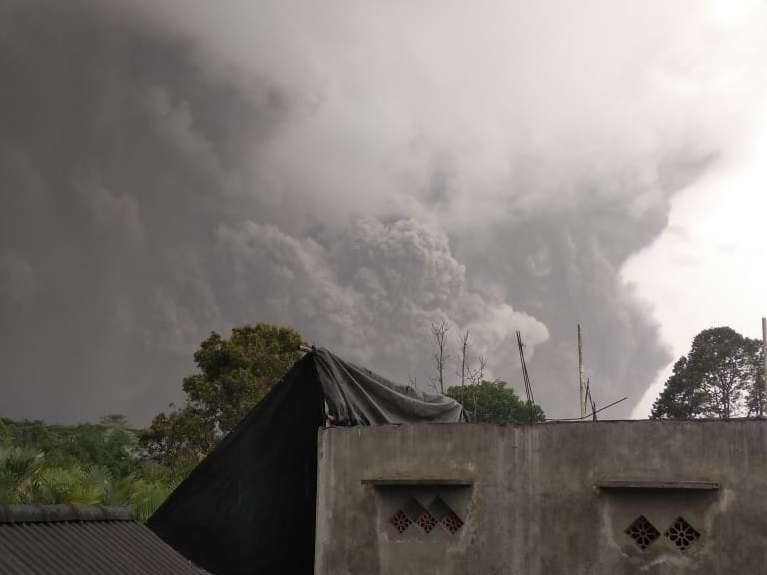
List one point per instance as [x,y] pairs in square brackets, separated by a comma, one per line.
[642,532]
[400,521]
[426,521]
[414,516]
[682,534]
[452,523]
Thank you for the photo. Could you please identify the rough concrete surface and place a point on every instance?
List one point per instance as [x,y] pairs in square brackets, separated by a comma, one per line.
[556,498]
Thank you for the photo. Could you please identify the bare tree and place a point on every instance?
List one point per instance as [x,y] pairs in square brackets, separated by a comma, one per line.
[464,344]
[469,374]
[477,375]
[441,355]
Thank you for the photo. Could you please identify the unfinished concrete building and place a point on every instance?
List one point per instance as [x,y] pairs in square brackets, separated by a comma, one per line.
[336,472]
[608,498]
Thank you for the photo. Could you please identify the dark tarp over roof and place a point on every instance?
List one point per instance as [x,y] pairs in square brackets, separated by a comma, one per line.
[357,396]
[249,507]
[82,540]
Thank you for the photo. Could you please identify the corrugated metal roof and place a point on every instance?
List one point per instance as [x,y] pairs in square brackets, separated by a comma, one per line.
[66,539]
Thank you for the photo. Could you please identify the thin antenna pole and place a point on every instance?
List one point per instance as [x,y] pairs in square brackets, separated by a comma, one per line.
[463,357]
[764,373]
[580,375]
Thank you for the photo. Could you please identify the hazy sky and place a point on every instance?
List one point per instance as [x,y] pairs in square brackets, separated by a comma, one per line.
[358,170]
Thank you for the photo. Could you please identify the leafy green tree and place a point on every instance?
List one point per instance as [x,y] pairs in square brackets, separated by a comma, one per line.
[682,397]
[493,402]
[233,376]
[720,377]
[181,438]
[33,434]
[115,449]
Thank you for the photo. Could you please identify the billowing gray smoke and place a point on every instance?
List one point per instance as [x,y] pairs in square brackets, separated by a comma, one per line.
[356,173]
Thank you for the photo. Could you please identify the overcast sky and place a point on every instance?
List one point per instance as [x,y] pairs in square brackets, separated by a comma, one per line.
[358,170]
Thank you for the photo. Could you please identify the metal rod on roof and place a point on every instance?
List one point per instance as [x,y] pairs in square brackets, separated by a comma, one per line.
[590,414]
[590,399]
[526,378]
[582,408]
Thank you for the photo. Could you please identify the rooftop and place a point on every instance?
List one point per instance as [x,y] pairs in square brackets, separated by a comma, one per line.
[82,540]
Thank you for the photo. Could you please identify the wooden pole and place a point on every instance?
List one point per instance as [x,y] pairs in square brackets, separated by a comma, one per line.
[764,358]
[582,385]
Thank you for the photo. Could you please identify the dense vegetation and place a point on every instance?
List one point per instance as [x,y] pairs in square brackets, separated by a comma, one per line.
[109,463]
[494,402]
[88,463]
[721,377]
[233,375]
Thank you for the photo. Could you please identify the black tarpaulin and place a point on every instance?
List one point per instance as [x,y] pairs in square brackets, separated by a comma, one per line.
[249,507]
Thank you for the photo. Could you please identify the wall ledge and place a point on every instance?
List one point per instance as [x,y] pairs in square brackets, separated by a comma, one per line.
[396,481]
[665,485]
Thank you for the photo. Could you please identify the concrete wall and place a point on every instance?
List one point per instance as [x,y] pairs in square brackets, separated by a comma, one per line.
[529,500]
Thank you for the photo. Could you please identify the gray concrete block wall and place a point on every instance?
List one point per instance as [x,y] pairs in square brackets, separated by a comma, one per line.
[529,499]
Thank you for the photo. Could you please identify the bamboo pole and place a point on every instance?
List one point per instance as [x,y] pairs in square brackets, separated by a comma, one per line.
[580,375]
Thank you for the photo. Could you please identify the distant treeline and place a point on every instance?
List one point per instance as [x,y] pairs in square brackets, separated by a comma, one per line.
[112,464]
[89,463]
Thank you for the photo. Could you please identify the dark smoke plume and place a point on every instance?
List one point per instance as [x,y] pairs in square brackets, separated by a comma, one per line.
[168,169]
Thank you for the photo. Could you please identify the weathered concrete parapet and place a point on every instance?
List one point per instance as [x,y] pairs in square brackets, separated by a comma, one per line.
[606,498]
